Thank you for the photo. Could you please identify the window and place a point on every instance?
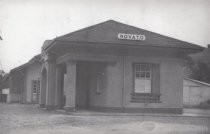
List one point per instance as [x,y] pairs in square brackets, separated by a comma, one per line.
[146,83]
[143,78]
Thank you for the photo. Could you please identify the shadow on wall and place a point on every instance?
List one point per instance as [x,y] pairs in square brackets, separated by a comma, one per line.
[202,105]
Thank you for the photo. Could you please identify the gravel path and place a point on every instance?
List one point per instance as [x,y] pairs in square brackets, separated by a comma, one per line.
[29,119]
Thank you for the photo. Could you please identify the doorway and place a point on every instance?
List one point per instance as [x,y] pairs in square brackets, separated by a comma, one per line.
[90,83]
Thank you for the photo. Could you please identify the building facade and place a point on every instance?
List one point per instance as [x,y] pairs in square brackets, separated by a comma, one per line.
[195,93]
[24,82]
[114,67]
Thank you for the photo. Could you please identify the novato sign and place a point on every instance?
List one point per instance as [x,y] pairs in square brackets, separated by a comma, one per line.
[131,36]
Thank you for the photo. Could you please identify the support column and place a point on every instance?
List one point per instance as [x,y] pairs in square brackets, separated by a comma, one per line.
[70,86]
[50,98]
[11,82]
[42,98]
[58,90]
[24,91]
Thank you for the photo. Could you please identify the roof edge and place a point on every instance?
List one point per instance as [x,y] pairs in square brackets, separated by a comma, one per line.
[152,45]
[200,82]
[32,60]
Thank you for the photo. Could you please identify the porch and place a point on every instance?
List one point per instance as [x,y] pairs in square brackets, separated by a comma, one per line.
[72,84]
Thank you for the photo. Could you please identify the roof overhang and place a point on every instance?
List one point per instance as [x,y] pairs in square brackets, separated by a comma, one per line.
[24,66]
[59,43]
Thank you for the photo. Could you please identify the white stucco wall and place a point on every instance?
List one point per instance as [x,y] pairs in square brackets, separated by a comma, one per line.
[13,98]
[195,93]
[32,74]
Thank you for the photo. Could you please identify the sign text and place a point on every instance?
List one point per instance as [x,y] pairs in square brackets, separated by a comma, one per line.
[131,36]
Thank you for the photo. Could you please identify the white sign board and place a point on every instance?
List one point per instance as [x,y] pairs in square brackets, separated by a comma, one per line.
[5,91]
[124,36]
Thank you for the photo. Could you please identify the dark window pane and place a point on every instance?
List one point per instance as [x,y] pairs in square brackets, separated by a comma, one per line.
[137,74]
[137,67]
[142,75]
[143,67]
[148,68]
[147,75]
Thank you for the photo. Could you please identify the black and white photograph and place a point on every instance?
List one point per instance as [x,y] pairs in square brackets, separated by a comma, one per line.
[104,66]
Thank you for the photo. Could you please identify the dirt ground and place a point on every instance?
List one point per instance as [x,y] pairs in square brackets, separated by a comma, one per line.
[29,119]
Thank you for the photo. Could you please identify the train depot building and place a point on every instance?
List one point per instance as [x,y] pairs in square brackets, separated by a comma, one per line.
[24,82]
[114,67]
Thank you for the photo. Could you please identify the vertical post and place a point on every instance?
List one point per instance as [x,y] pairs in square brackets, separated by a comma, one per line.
[38,91]
[123,89]
[24,91]
[58,92]
[50,101]
[70,85]
[10,85]
[42,98]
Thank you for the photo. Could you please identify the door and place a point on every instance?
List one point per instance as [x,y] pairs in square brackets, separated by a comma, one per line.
[35,90]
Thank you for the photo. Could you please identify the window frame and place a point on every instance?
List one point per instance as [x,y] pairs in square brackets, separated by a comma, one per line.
[134,76]
[151,97]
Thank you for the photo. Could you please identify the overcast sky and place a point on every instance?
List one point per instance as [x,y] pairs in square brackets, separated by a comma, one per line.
[25,24]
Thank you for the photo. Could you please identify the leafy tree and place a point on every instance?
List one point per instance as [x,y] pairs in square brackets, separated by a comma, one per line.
[2,73]
[198,66]
[201,71]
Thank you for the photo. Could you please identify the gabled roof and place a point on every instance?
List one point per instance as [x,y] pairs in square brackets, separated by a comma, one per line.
[36,58]
[199,82]
[107,32]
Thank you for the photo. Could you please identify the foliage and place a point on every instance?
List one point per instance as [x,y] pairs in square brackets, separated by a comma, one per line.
[2,81]
[2,73]
[201,71]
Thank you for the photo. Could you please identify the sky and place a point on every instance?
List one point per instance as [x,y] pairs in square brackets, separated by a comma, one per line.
[26,24]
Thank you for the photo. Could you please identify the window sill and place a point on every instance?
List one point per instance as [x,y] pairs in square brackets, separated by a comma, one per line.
[145,98]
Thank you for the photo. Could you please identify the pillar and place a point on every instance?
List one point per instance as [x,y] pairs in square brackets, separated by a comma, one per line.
[70,86]
[58,90]
[24,91]
[50,89]
[42,98]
